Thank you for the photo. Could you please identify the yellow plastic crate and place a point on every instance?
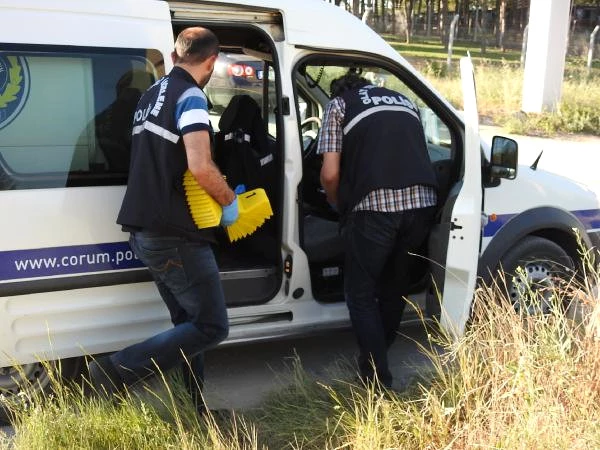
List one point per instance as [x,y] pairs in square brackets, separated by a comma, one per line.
[206,212]
[254,209]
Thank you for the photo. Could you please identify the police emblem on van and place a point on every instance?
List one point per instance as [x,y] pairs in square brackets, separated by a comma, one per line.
[14,87]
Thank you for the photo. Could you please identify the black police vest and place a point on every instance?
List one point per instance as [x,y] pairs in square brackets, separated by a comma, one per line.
[383,145]
[155,198]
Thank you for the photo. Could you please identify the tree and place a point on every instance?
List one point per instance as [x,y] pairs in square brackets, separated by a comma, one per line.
[501,28]
[407,7]
[429,18]
[443,21]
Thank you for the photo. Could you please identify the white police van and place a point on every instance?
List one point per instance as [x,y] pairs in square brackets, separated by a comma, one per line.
[70,74]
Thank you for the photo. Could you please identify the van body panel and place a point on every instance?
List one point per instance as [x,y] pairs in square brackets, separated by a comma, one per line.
[94,24]
[100,320]
[533,189]
[549,189]
[61,324]
[44,225]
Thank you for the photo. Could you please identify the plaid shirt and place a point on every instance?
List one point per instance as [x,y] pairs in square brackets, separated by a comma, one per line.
[381,200]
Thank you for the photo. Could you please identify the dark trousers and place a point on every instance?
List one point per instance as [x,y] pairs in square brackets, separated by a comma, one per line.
[187,278]
[376,279]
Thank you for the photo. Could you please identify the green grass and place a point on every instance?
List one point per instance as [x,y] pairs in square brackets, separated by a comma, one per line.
[511,382]
[499,80]
[432,49]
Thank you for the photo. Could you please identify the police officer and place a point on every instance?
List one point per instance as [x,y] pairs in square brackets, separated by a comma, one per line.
[376,172]
[171,133]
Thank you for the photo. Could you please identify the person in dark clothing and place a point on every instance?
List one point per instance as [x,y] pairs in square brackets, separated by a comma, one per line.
[376,172]
[113,125]
[172,133]
[111,128]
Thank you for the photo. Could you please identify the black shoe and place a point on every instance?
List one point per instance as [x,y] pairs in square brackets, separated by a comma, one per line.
[104,377]
[397,388]
[400,387]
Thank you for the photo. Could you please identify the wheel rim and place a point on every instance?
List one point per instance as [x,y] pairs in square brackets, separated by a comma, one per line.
[12,379]
[532,289]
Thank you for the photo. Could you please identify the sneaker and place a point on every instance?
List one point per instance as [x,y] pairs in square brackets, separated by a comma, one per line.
[104,377]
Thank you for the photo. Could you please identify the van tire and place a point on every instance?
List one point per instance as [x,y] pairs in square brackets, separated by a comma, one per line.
[546,265]
[36,375]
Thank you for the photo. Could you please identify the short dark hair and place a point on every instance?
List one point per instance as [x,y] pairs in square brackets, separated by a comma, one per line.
[195,45]
[351,80]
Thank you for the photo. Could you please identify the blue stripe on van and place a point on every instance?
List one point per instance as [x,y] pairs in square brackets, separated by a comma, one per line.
[114,256]
[590,218]
[492,227]
[69,260]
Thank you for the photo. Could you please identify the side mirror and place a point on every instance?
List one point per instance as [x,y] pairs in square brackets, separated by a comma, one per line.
[504,161]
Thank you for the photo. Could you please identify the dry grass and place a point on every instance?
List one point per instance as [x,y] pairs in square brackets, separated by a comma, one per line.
[499,96]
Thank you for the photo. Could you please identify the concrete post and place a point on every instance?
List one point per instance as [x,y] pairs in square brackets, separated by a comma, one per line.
[592,45]
[366,17]
[546,50]
[524,45]
[451,39]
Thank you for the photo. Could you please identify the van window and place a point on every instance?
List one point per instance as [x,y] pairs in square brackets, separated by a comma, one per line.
[235,74]
[319,222]
[66,114]
[319,76]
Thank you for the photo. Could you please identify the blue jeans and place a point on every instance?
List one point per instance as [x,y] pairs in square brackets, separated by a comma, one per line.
[376,279]
[187,278]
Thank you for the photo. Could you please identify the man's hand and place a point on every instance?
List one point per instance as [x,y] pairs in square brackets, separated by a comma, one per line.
[230,213]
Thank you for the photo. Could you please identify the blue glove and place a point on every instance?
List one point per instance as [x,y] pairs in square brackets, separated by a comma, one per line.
[240,189]
[230,213]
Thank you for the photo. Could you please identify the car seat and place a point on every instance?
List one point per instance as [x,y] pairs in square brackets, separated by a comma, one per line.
[245,155]
[242,149]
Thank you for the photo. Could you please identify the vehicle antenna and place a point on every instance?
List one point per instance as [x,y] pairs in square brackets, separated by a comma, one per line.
[537,160]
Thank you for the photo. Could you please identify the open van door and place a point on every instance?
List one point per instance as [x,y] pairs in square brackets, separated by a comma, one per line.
[465,219]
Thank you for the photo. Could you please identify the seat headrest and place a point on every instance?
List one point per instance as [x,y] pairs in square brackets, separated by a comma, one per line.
[241,112]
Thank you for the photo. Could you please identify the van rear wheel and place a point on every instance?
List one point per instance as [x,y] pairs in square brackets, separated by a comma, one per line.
[14,380]
[534,270]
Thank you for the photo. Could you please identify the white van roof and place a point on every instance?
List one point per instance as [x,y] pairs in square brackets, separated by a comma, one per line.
[316,23]
[86,23]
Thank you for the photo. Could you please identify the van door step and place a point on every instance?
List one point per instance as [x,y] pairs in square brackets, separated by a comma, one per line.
[250,286]
[261,272]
